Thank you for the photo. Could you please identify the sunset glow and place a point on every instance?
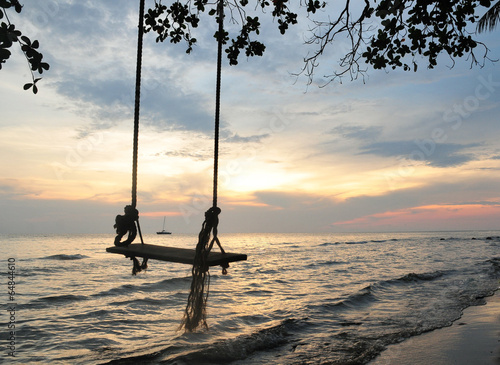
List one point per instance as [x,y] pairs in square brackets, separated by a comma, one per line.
[401,151]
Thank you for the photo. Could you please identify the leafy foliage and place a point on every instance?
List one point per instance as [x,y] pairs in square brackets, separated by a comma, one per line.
[177,21]
[381,33]
[417,28]
[384,34]
[9,35]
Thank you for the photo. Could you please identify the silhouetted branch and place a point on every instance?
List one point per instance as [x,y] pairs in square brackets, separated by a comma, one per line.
[10,35]
[490,19]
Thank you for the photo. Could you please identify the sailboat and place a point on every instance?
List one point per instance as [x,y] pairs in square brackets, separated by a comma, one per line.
[163,230]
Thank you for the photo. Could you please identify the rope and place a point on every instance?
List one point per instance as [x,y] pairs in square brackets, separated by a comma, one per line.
[195,313]
[217,99]
[129,222]
[137,104]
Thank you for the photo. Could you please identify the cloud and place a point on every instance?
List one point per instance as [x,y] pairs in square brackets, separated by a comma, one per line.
[62,216]
[357,132]
[185,153]
[92,51]
[479,202]
[236,138]
[285,200]
[162,105]
[431,217]
[18,188]
[308,212]
[434,154]
[263,211]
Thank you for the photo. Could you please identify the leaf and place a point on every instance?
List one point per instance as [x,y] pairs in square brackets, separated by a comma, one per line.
[26,40]
[27,86]
[4,54]
[35,89]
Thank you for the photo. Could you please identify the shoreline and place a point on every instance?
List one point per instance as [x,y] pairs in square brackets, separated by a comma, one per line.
[472,339]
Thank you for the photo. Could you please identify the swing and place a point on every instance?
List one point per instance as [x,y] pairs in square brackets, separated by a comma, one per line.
[200,258]
[175,254]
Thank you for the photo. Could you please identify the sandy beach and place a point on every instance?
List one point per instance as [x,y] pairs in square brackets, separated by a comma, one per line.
[473,339]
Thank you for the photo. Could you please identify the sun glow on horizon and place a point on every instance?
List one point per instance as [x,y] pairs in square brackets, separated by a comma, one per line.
[431,216]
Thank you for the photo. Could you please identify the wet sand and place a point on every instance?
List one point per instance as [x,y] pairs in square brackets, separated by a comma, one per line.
[473,339]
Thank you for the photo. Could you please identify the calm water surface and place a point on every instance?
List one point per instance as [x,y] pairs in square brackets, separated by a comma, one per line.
[299,299]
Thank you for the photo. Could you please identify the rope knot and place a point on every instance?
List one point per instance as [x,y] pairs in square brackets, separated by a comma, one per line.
[126,223]
[212,217]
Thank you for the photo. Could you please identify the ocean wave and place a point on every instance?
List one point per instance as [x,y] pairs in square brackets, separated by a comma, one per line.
[163,285]
[412,277]
[495,264]
[494,260]
[52,300]
[326,263]
[360,298]
[65,257]
[120,290]
[357,242]
[385,287]
[267,271]
[168,284]
[97,313]
[44,271]
[149,302]
[219,352]
[377,290]
[238,348]
[329,244]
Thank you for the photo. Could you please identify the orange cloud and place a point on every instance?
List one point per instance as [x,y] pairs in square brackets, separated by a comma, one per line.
[429,217]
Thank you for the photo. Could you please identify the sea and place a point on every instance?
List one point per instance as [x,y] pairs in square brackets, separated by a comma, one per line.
[298,299]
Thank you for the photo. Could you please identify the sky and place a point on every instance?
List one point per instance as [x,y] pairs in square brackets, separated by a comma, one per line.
[397,151]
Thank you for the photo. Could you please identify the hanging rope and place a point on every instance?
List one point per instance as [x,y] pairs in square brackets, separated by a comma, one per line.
[137,104]
[220,41]
[195,313]
[129,223]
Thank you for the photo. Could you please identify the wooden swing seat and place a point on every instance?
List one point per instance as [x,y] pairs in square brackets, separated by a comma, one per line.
[174,254]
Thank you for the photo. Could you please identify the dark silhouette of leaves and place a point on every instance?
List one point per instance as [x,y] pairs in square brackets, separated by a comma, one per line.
[178,20]
[489,21]
[10,35]
[408,32]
